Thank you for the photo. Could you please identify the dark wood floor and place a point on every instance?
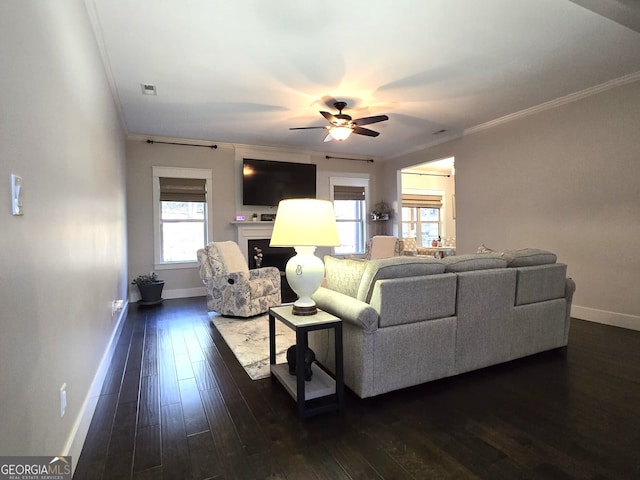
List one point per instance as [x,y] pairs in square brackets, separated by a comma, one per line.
[177,405]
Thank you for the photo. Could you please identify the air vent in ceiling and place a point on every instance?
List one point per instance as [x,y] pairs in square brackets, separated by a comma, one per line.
[148,89]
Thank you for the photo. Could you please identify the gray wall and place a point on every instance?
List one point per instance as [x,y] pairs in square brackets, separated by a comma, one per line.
[63,262]
[565,179]
[223,198]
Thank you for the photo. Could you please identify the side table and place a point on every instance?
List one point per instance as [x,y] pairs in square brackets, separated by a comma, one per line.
[323,393]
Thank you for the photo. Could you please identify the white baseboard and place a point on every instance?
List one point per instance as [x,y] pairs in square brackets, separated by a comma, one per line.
[185,292]
[77,436]
[615,319]
[134,294]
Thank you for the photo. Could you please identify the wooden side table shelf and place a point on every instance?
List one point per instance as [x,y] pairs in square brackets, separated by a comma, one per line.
[323,393]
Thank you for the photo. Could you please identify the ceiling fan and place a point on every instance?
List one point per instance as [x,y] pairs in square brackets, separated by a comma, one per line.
[342,126]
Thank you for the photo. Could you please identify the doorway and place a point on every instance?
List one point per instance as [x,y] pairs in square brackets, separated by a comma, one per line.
[427,213]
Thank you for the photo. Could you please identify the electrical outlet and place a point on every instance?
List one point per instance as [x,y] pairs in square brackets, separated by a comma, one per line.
[116,306]
[63,399]
[16,195]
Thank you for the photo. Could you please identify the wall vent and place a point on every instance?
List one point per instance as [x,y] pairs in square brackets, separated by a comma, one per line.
[148,89]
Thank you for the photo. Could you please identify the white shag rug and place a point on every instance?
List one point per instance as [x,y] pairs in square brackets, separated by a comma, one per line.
[249,341]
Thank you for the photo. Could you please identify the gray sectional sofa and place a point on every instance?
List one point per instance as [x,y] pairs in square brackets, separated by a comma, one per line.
[410,320]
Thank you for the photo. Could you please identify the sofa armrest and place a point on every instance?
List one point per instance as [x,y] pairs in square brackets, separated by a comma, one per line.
[570,288]
[346,308]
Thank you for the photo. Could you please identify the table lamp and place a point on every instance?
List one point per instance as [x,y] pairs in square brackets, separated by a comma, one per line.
[305,223]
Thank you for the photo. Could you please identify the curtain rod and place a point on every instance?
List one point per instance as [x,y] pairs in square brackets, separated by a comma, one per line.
[214,146]
[427,174]
[369,160]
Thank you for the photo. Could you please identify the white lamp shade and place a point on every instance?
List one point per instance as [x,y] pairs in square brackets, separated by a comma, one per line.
[305,222]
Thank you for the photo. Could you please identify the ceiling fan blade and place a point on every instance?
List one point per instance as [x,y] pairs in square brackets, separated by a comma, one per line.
[365,131]
[306,128]
[330,117]
[369,120]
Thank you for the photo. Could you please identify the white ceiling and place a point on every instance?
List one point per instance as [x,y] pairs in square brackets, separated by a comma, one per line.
[245,71]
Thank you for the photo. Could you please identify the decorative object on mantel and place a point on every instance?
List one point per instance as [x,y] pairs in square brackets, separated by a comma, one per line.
[254,217]
[381,211]
[305,223]
[258,257]
[150,288]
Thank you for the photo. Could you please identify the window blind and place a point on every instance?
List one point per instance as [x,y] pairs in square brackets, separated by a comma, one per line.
[424,201]
[183,189]
[344,192]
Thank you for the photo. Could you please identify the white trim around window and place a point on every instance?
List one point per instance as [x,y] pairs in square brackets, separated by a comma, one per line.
[175,172]
[355,181]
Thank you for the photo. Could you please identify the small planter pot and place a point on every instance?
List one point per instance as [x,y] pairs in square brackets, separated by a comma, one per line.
[151,293]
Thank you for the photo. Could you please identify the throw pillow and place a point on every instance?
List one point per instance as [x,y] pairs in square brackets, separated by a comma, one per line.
[343,275]
[484,249]
[527,257]
[470,262]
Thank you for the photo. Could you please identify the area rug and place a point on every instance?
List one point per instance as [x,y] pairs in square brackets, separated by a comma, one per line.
[249,341]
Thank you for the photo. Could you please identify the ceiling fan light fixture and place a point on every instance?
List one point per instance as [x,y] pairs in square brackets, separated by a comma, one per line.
[340,133]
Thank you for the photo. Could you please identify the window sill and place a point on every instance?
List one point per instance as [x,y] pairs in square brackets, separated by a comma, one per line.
[176,265]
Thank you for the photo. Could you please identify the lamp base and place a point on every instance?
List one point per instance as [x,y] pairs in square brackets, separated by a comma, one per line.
[304,310]
[304,274]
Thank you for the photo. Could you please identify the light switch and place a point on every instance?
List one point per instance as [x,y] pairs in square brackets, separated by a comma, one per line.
[16,195]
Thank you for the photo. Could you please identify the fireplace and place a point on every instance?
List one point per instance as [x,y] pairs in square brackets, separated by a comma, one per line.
[272,257]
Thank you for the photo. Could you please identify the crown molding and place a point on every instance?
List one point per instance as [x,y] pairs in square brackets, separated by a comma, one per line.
[617,82]
[94,20]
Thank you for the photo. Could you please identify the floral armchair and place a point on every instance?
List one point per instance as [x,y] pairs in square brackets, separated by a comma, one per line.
[233,289]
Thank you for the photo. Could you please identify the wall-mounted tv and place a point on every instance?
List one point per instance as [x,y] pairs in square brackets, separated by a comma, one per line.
[266,182]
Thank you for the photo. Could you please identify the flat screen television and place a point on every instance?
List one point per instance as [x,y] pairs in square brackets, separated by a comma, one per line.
[266,182]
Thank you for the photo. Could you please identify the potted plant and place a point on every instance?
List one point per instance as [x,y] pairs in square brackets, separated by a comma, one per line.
[150,288]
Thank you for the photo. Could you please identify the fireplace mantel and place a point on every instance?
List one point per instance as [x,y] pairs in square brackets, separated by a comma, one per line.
[252,230]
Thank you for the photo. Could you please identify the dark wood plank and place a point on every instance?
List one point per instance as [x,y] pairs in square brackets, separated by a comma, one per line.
[150,353]
[148,453]
[175,450]
[169,391]
[204,461]
[119,460]
[96,445]
[195,419]
[149,402]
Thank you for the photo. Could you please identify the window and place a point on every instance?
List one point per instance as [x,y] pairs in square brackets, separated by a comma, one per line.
[180,214]
[349,197]
[421,218]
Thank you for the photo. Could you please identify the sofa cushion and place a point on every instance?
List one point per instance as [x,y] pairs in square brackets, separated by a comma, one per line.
[539,283]
[343,275]
[414,299]
[527,257]
[473,261]
[395,267]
